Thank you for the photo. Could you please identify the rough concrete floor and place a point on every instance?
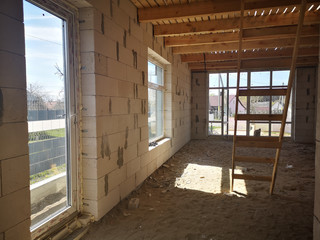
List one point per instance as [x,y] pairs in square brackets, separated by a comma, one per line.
[189,198]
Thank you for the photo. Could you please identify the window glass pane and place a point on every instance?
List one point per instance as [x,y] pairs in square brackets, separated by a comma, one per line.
[214,128]
[259,104]
[259,129]
[280,78]
[275,130]
[241,127]
[242,107]
[243,79]
[215,104]
[289,113]
[287,130]
[48,151]
[217,80]
[155,114]
[277,107]
[261,79]
[277,104]
[155,74]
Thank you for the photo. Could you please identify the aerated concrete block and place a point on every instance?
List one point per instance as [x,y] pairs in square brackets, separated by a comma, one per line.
[116,177]
[15,174]
[127,187]
[13,209]
[14,103]
[13,140]
[20,231]
[99,208]
[9,76]
[12,41]
[94,189]
[133,166]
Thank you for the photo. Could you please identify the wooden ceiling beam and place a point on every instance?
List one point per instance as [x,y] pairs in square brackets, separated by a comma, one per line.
[279,32]
[247,45]
[209,8]
[254,64]
[201,39]
[248,34]
[230,24]
[261,54]
[194,9]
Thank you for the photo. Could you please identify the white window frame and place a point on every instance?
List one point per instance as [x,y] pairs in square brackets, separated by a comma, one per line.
[69,14]
[271,86]
[161,88]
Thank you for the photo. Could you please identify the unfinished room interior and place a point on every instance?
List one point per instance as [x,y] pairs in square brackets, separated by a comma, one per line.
[159,119]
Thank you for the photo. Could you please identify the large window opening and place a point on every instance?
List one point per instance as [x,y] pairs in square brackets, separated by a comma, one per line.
[155,101]
[51,112]
[222,103]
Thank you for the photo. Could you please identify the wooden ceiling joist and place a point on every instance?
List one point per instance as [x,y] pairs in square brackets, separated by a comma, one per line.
[280,32]
[261,54]
[254,64]
[208,8]
[200,39]
[206,32]
[195,9]
[247,45]
[231,24]
[248,34]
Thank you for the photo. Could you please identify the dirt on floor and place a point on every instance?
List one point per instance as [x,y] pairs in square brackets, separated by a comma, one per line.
[189,198]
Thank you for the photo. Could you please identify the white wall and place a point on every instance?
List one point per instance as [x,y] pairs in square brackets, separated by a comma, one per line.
[14,161]
[114,55]
[316,225]
[305,105]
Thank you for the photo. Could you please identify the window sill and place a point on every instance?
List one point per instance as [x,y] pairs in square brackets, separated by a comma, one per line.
[159,143]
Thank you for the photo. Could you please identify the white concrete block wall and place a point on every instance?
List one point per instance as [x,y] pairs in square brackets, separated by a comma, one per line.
[14,161]
[305,104]
[199,123]
[114,55]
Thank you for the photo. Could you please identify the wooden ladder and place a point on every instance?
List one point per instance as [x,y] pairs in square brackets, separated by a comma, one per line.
[262,142]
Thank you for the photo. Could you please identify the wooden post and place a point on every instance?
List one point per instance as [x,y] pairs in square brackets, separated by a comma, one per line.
[290,83]
[237,94]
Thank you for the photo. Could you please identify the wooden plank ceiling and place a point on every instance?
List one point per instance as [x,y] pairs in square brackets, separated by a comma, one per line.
[205,33]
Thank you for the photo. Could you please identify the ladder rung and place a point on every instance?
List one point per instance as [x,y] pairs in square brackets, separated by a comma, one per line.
[253,159]
[252,177]
[257,139]
[263,92]
[258,144]
[269,117]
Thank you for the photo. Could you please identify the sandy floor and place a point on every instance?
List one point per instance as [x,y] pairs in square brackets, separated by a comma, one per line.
[188,198]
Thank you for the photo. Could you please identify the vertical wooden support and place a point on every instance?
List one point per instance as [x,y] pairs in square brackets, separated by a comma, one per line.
[237,94]
[290,83]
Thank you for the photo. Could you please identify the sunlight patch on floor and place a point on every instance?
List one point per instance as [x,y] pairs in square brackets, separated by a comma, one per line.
[208,179]
[239,185]
[201,178]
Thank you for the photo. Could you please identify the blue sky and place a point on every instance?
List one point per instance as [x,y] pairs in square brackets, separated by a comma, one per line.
[44,49]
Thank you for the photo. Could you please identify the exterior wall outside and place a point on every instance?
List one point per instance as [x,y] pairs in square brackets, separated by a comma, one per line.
[14,160]
[199,122]
[114,55]
[305,105]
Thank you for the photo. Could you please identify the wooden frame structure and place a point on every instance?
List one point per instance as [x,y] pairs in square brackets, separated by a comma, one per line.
[266,142]
[206,32]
